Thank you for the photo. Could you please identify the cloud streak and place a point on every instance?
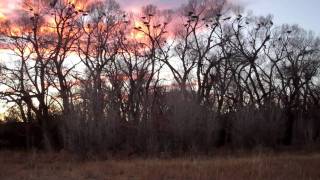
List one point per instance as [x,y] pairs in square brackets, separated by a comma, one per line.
[165,4]
[8,7]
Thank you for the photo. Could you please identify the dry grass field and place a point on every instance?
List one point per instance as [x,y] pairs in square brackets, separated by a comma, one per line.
[37,166]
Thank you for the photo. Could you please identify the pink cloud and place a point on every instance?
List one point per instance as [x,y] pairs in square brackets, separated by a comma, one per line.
[8,7]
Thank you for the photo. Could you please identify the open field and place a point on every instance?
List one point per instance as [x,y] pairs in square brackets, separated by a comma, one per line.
[23,166]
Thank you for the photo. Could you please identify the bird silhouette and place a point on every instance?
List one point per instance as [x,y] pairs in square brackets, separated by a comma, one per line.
[271,22]
[239,17]
[195,17]
[53,3]
[268,37]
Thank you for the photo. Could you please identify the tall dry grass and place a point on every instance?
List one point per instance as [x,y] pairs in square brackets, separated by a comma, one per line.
[33,166]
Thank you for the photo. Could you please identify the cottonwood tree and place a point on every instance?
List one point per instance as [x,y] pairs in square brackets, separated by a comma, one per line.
[297,71]
[65,31]
[97,49]
[27,82]
[251,38]
[200,46]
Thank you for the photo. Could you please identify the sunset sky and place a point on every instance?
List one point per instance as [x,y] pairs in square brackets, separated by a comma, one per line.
[303,12]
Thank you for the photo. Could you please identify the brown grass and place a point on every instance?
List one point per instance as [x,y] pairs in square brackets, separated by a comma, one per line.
[37,166]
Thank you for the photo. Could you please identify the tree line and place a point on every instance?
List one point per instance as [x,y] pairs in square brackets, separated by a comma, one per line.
[95,78]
